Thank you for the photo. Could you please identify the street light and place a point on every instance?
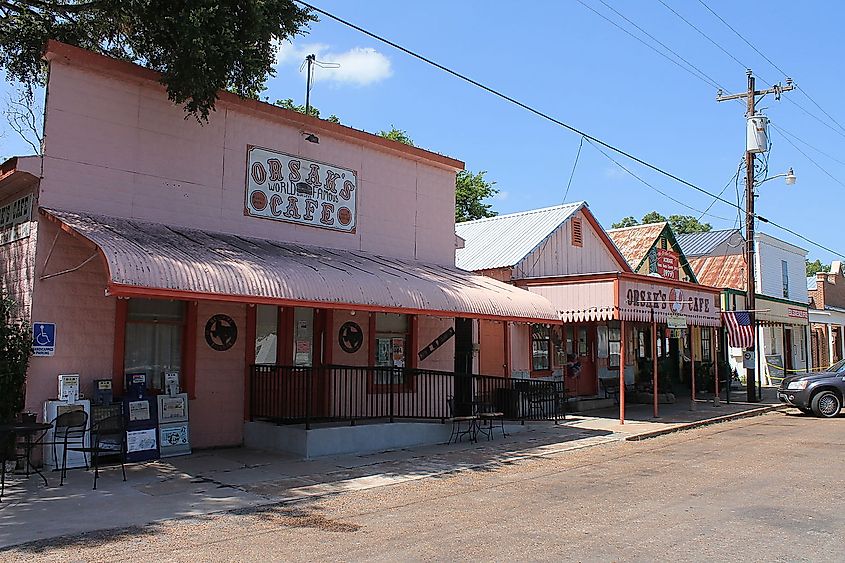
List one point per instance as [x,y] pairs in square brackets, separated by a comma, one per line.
[790,176]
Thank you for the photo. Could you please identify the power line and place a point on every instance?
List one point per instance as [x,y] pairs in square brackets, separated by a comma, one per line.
[572,174]
[644,182]
[770,61]
[701,75]
[692,25]
[802,141]
[808,157]
[558,122]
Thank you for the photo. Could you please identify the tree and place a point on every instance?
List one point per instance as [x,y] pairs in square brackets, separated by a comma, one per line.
[625,222]
[312,111]
[470,190]
[815,267]
[397,135]
[653,217]
[25,117]
[15,349]
[198,46]
[681,224]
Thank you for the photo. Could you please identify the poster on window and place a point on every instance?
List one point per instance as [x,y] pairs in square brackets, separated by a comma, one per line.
[398,347]
[139,410]
[141,440]
[302,353]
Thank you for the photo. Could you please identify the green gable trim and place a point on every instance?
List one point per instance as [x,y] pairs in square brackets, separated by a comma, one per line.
[673,242]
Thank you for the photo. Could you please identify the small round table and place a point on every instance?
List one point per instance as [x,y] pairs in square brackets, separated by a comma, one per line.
[26,430]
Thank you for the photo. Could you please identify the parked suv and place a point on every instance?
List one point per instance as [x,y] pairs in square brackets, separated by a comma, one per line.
[819,393]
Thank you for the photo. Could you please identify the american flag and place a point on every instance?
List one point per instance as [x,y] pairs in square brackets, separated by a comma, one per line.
[740,333]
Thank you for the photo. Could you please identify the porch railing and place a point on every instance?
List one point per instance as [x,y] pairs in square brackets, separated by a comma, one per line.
[296,395]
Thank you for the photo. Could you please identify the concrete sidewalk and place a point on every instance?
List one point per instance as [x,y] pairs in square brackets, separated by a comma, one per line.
[230,479]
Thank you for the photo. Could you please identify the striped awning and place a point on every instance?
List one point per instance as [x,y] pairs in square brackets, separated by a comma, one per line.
[156,260]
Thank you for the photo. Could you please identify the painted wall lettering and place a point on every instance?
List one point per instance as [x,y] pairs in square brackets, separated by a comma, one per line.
[288,188]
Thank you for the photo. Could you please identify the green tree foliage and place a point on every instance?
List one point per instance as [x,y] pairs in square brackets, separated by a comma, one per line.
[815,267]
[470,192]
[681,224]
[625,222]
[395,134]
[199,46]
[312,111]
[15,349]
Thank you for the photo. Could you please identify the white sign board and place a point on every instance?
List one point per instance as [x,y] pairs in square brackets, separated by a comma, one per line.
[141,440]
[748,360]
[676,322]
[289,188]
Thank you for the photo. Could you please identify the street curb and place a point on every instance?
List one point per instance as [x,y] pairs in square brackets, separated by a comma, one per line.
[705,422]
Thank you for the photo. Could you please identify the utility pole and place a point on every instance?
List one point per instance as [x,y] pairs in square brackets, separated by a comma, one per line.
[751,98]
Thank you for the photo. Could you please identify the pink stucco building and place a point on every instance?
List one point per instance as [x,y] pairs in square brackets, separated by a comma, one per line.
[157,243]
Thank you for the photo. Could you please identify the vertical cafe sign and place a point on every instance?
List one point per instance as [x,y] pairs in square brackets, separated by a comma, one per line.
[289,188]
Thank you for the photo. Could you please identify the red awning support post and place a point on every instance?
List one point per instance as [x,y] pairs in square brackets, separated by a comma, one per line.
[714,343]
[622,373]
[692,368]
[654,363]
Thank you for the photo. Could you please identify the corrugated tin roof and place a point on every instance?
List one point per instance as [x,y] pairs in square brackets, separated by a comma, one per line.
[699,244]
[635,242]
[724,271]
[812,283]
[504,240]
[182,262]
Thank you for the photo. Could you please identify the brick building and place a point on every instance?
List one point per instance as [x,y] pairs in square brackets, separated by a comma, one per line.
[827,315]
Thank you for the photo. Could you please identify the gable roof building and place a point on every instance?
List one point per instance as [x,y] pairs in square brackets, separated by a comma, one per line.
[653,249]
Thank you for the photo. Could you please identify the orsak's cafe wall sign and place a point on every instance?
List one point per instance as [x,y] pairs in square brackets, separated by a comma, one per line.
[290,188]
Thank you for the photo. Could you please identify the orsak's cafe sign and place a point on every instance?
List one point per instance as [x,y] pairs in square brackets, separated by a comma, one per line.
[293,189]
[643,298]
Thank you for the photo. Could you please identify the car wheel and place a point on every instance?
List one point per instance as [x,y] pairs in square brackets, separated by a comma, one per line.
[827,404]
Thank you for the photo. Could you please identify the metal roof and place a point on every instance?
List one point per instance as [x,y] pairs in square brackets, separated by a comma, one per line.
[724,271]
[699,244]
[504,240]
[635,242]
[146,258]
[812,283]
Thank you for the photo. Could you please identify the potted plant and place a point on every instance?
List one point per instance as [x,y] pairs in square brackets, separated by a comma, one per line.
[15,350]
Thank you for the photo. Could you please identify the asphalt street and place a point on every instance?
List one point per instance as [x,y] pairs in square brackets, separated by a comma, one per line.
[762,489]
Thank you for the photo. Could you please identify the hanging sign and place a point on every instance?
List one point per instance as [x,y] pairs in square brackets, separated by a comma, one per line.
[668,265]
[437,343]
[289,188]
[676,322]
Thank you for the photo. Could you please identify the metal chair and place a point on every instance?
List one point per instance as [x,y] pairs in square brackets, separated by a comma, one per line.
[470,420]
[69,430]
[108,438]
[488,416]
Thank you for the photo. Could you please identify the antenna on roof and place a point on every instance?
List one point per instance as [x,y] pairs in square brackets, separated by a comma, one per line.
[311,61]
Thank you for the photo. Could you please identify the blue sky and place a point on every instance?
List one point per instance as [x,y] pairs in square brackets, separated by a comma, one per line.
[569,62]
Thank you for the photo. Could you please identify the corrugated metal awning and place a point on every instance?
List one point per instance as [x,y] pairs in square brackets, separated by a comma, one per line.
[158,260]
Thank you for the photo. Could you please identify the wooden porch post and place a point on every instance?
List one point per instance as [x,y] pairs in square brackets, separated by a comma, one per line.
[622,373]
[654,362]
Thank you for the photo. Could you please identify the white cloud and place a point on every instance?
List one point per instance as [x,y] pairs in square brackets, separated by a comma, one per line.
[358,66]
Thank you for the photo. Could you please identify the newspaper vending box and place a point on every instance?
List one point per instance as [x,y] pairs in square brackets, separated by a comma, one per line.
[68,400]
[173,436]
[140,412]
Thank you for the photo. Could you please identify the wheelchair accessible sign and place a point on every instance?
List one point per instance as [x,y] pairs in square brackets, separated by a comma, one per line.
[43,339]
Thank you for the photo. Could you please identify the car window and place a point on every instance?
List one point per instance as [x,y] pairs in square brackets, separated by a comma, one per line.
[838,367]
